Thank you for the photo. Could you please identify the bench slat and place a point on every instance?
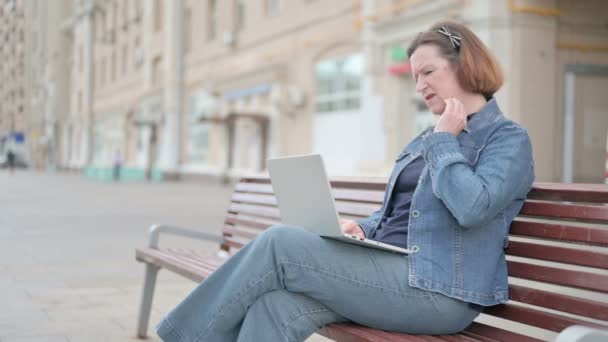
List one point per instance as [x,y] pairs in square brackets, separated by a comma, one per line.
[559,276]
[341,332]
[594,193]
[457,338]
[356,209]
[559,302]
[210,262]
[203,264]
[250,221]
[352,332]
[343,207]
[560,232]
[560,254]
[236,241]
[581,212]
[254,210]
[349,194]
[479,337]
[244,232]
[479,329]
[158,258]
[540,319]
[361,183]
[254,187]
[371,196]
[269,200]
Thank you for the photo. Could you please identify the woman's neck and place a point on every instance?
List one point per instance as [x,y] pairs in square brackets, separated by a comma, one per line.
[473,103]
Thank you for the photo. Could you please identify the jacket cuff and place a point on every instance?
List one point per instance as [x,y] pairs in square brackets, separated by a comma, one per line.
[366,226]
[440,147]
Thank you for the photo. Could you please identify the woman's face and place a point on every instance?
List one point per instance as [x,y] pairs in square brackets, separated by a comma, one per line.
[435,79]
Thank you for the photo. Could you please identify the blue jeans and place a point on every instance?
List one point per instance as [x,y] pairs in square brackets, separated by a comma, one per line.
[288,283]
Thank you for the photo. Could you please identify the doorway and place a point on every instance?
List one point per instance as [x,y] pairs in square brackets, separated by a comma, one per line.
[585,124]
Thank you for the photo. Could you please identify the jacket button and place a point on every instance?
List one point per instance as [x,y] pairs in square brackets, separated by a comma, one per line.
[415,213]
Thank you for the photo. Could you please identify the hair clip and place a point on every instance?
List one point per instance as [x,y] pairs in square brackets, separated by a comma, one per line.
[454,39]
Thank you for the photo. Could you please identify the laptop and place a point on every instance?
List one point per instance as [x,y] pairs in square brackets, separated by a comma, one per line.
[304,199]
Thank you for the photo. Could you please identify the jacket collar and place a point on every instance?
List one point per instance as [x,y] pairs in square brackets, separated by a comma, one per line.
[486,115]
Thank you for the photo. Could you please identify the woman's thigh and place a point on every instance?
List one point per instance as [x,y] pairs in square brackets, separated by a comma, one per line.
[365,285]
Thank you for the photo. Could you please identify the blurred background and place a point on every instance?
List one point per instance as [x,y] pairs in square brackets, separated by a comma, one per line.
[211,89]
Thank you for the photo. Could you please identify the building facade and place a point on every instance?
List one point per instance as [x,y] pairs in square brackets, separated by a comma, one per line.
[47,77]
[13,88]
[554,56]
[190,88]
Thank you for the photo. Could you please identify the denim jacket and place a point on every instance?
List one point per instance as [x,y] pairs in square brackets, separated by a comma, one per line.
[471,189]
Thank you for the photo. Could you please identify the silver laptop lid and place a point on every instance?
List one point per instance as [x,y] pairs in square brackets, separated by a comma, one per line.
[304,194]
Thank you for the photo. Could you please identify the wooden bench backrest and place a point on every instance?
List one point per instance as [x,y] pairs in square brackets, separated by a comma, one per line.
[557,254]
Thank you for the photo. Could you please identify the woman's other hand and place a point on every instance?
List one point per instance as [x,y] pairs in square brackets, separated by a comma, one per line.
[454,117]
[351,227]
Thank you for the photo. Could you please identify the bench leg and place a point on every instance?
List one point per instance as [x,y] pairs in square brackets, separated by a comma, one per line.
[146,300]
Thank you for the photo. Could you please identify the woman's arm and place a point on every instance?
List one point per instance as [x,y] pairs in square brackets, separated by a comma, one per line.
[504,172]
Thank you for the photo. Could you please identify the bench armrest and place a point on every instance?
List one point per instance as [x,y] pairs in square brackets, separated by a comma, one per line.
[157,229]
[578,333]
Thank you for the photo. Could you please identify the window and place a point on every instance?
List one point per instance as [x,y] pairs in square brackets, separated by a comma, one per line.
[115,17]
[187,30]
[125,58]
[158,15]
[80,58]
[79,103]
[125,15]
[338,84]
[211,19]
[201,105]
[138,57]
[102,72]
[157,71]
[113,66]
[240,14]
[273,7]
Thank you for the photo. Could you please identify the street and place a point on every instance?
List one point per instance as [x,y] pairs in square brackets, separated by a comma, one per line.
[67,266]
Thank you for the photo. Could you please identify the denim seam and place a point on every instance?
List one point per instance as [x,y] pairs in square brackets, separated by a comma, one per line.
[228,305]
[181,337]
[298,315]
[355,281]
[434,286]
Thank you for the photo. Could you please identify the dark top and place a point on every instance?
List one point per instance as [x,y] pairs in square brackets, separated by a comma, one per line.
[393,227]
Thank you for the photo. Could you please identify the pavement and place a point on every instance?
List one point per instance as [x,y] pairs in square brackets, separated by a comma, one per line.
[67,266]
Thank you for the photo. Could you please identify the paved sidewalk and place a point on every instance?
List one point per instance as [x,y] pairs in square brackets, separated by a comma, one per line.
[67,267]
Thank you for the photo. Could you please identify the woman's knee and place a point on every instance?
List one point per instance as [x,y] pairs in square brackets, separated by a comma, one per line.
[284,233]
[284,238]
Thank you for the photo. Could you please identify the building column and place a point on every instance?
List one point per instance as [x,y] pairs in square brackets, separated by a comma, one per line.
[89,119]
[173,56]
[531,83]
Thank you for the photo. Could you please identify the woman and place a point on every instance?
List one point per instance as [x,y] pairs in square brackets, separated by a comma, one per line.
[451,197]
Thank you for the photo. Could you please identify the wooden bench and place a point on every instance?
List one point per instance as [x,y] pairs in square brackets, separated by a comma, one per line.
[557,258]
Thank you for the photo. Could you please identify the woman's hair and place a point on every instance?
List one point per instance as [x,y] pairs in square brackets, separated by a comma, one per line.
[476,67]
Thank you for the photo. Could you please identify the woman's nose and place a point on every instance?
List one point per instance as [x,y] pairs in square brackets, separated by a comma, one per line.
[420,86]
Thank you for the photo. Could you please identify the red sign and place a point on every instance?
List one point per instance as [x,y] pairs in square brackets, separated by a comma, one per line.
[400,68]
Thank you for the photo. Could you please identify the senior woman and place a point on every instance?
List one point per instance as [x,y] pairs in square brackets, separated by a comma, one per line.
[451,197]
